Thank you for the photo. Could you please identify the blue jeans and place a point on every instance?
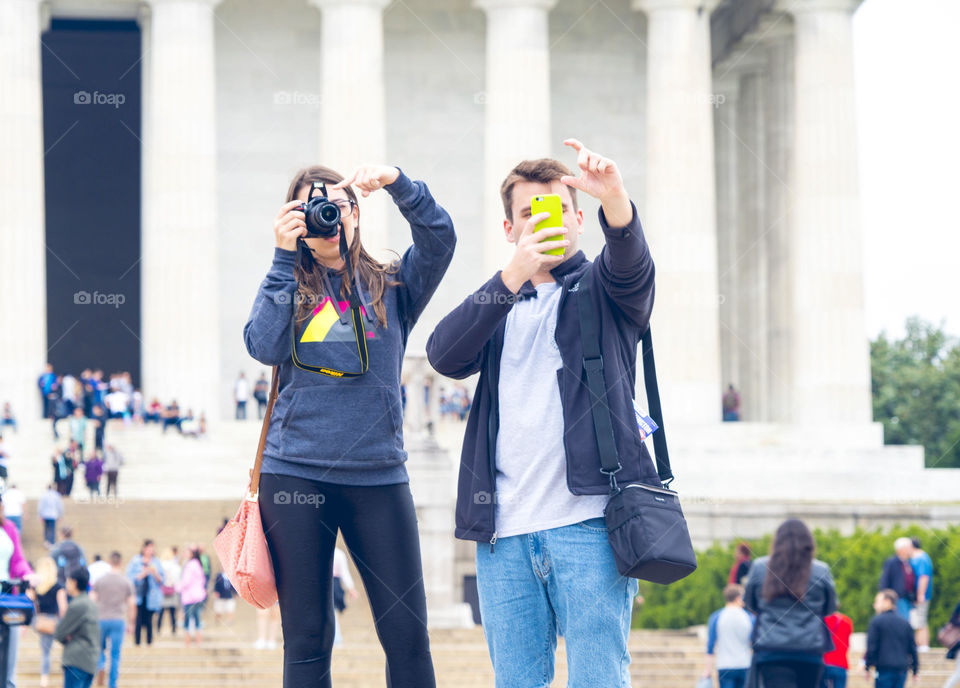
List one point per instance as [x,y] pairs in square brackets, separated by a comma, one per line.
[111,629]
[891,678]
[563,579]
[76,678]
[833,677]
[191,617]
[732,678]
[50,530]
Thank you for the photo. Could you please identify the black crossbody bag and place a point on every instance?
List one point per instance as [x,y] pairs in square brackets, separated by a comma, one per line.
[645,524]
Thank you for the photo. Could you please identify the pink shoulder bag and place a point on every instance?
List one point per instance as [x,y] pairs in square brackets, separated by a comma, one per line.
[242,545]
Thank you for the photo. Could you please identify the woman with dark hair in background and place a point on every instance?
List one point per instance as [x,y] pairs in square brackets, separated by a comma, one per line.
[741,565]
[335,322]
[790,592]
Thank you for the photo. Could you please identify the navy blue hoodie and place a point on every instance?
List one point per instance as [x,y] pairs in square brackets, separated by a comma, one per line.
[347,430]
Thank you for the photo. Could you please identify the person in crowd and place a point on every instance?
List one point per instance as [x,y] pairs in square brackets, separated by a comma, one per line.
[241,393]
[50,510]
[898,575]
[953,651]
[731,405]
[146,574]
[97,568]
[50,598]
[190,426]
[224,604]
[343,587]
[46,382]
[891,646]
[728,640]
[78,432]
[136,406]
[835,663]
[154,412]
[63,464]
[193,592]
[268,628]
[544,468]
[67,553]
[170,562]
[13,566]
[171,416]
[922,566]
[13,501]
[112,461]
[7,419]
[99,420]
[79,631]
[93,472]
[741,565]
[261,390]
[791,593]
[306,299]
[116,604]
[4,460]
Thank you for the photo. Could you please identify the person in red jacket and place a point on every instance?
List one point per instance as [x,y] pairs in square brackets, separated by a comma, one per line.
[835,662]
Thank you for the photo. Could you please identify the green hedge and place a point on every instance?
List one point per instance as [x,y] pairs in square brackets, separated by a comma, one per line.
[855,561]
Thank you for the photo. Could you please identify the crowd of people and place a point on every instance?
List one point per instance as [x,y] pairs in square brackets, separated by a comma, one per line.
[781,620]
[99,399]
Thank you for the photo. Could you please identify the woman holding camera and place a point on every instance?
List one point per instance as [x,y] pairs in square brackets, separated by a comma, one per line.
[335,322]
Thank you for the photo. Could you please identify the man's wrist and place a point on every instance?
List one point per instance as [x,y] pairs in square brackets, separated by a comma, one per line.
[617,209]
[511,281]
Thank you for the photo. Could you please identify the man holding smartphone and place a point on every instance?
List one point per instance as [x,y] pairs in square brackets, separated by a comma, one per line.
[530,488]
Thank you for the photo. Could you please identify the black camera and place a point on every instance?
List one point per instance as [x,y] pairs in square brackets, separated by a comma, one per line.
[322,214]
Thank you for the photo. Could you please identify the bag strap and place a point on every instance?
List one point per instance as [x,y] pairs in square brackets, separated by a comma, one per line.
[600,409]
[255,473]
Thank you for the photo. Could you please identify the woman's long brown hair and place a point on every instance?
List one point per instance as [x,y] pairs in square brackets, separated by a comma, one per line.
[791,558]
[309,272]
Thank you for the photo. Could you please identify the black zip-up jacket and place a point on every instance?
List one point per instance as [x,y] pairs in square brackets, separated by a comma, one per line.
[891,644]
[470,339]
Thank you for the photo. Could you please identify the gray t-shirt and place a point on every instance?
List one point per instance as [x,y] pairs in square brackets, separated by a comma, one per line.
[114,591]
[532,492]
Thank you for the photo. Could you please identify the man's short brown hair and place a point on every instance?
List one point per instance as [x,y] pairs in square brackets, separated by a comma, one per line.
[890,595]
[732,593]
[541,171]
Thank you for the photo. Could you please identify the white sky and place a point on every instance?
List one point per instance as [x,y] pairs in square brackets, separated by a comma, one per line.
[907,61]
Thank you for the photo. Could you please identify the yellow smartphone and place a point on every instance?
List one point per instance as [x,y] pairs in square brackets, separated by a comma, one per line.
[549,203]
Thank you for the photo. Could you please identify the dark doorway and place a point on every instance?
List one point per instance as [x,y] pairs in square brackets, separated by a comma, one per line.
[91,140]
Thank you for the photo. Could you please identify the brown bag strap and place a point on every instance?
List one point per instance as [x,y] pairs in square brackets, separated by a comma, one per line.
[255,473]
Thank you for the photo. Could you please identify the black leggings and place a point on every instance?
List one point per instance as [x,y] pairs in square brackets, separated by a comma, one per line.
[790,674]
[144,623]
[379,525]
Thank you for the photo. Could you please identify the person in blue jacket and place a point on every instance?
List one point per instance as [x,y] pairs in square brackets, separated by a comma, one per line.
[335,321]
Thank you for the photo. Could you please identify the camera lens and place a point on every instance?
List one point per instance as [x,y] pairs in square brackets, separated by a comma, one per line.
[330,213]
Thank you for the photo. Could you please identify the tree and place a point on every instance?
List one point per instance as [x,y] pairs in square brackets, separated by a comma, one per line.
[916,390]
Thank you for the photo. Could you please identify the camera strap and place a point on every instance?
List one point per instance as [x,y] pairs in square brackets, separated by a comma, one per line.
[356,316]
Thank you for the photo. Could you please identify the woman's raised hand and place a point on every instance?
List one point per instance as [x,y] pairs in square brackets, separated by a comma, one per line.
[289,225]
[369,178]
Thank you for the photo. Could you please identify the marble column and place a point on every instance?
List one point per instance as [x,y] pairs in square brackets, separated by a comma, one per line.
[726,85]
[831,364]
[180,306]
[681,220]
[751,246]
[517,118]
[353,128]
[777,40]
[23,349]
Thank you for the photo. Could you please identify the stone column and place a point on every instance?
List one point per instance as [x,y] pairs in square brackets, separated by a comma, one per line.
[751,247]
[353,129]
[680,217]
[726,85]
[778,136]
[831,364]
[517,95]
[22,230]
[180,307]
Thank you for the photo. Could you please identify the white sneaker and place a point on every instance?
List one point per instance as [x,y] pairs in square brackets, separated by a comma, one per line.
[272,645]
[261,644]
[923,648]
